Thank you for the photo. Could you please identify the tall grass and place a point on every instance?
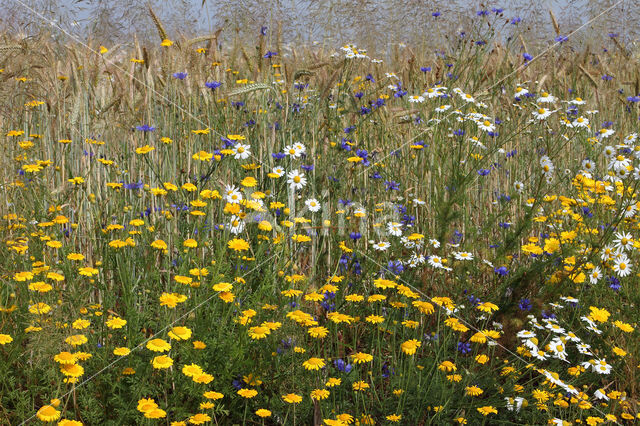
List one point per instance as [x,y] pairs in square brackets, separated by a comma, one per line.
[119,224]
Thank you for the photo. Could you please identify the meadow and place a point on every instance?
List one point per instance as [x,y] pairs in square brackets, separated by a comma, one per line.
[198,232]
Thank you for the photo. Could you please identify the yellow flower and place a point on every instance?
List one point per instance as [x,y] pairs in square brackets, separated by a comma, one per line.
[410,346]
[487,307]
[144,150]
[71,370]
[627,328]
[319,394]
[65,358]
[247,393]
[200,418]
[159,245]
[482,359]
[361,357]
[292,398]
[5,338]
[486,410]
[313,364]
[447,366]
[180,333]
[212,394]
[76,340]
[259,332]
[238,244]
[395,418]
[190,243]
[473,390]
[116,323]
[156,413]
[48,414]
[158,345]
[166,43]
[360,385]
[333,381]
[162,362]
[203,378]
[146,404]
[199,345]
[262,412]
[600,315]
[121,351]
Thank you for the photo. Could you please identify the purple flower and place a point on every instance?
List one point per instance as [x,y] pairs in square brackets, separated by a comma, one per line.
[145,128]
[502,271]
[525,305]
[464,347]
[180,75]
[213,84]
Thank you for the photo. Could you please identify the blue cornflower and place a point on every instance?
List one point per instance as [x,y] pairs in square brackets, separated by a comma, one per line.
[270,54]
[482,13]
[614,283]
[395,267]
[369,77]
[561,39]
[355,236]
[548,315]
[180,75]
[212,84]
[342,366]
[145,128]
[607,77]
[464,347]
[458,132]
[516,20]
[349,129]
[392,185]
[263,31]
[484,172]
[301,86]
[525,305]
[502,271]
[307,168]
[278,155]
[376,175]
[633,98]
[436,14]
[359,95]
[480,43]
[425,69]
[497,10]
[527,57]
[504,225]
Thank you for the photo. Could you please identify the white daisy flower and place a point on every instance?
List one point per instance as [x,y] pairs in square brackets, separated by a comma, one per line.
[381,246]
[546,98]
[241,151]
[313,205]
[296,179]
[394,228]
[542,113]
